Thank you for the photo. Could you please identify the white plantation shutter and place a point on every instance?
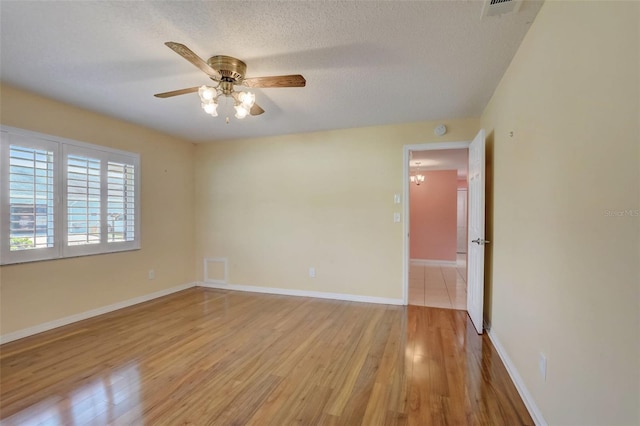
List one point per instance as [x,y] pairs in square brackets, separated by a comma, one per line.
[121,205]
[28,198]
[100,201]
[62,198]
[83,200]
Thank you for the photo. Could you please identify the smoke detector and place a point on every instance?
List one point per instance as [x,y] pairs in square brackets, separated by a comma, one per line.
[500,7]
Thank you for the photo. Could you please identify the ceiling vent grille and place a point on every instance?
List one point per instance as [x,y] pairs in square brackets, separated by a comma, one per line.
[500,7]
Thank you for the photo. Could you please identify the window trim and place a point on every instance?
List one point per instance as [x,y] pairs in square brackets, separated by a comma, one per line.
[60,147]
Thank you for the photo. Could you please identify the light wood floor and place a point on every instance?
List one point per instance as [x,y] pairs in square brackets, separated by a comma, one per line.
[211,357]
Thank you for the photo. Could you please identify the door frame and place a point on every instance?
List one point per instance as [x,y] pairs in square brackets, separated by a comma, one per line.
[405,201]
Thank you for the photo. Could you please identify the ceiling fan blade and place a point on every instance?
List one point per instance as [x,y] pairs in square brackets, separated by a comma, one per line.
[294,80]
[188,54]
[256,110]
[176,92]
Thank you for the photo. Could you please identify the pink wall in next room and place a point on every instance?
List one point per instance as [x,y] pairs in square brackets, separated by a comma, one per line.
[433,212]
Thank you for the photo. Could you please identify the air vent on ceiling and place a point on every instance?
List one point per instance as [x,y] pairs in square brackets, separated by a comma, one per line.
[500,7]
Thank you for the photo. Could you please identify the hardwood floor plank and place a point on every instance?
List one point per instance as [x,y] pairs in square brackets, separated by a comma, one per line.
[215,357]
[358,401]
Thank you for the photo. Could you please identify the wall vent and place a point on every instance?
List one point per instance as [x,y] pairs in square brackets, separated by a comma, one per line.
[215,270]
[500,7]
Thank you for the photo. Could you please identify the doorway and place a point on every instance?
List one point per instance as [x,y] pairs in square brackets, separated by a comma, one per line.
[436,225]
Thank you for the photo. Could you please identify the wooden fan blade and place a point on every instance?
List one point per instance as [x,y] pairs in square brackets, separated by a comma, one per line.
[256,110]
[176,92]
[188,54]
[294,80]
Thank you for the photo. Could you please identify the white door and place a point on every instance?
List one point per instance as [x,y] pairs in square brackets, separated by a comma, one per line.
[476,241]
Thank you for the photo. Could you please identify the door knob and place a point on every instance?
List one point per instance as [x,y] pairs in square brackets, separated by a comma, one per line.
[480,241]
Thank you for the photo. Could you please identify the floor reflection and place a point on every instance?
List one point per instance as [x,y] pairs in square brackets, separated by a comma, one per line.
[98,402]
[45,412]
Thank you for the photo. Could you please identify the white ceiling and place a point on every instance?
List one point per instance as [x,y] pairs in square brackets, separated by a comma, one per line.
[365,62]
[440,159]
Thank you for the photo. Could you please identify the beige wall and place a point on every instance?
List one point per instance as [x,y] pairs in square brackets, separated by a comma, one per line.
[38,292]
[279,205]
[565,277]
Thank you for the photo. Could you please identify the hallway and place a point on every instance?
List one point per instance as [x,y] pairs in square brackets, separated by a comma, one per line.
[439,286]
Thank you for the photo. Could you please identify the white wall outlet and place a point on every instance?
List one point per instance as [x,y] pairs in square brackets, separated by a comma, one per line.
[152,274]
[396,198]
[396,218]
[312,272]
[542,366]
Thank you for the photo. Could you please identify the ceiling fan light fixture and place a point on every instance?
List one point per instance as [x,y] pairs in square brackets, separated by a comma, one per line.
[247,99]
[207,93]
[241,111]
[228,72]
[210,108]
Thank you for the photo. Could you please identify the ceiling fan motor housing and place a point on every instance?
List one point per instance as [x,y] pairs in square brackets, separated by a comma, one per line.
[231,69]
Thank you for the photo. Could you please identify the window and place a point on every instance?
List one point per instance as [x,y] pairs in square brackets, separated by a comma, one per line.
[62,198]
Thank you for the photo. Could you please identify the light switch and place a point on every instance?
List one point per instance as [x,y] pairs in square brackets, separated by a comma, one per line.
[396,198]
[396,218]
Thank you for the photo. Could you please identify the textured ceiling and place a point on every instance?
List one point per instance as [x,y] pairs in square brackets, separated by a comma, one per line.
[365,62]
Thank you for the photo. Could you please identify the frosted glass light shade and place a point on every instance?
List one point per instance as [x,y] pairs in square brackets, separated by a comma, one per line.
[241,111]
[210,108]
[247,99]
[207,93]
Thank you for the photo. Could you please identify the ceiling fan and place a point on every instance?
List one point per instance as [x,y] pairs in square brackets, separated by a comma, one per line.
[228,72]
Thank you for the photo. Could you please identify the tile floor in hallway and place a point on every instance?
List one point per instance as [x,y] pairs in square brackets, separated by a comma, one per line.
[439,286]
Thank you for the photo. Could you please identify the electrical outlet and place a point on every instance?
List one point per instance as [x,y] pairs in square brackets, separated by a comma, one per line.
[152,274]
[396,198]
[542,366]
[312,272]
[396,218]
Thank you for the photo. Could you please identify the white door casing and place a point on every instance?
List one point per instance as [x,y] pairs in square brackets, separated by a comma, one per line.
[405,202]
[476,241]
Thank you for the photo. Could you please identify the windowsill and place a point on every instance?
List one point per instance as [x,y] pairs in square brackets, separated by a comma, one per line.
[23,262]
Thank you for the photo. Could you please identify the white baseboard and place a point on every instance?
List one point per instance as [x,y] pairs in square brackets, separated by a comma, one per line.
[88,314]
[528,400]
[304,293]
[433,262]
